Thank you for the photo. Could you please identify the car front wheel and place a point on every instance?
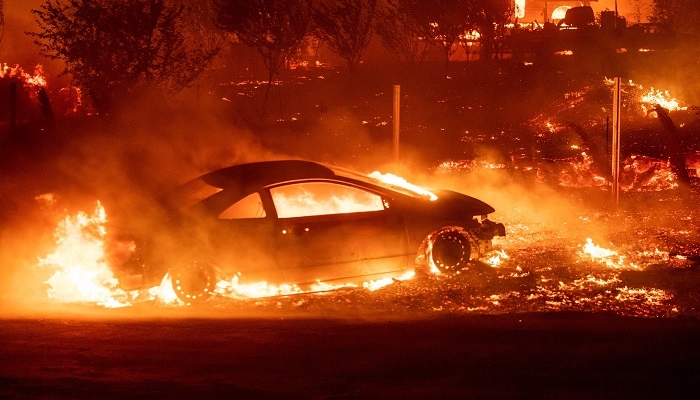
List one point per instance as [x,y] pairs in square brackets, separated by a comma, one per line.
[194,282]
[447,250]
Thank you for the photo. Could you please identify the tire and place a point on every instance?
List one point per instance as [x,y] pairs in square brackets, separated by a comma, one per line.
[448,249]
[193,283]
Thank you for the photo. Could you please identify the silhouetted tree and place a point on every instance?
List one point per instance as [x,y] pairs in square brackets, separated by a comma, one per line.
[638,9]
[682,16]
[449,20]
[276,29]
[404,32]
[347,26]
[114,49]
[490,17]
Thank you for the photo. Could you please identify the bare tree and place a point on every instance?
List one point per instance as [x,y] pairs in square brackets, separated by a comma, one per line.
[276,29]
[114,49]
[346,26]
[403,32]
[638,8]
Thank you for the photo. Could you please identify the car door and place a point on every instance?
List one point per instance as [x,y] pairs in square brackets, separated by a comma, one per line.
[330,230]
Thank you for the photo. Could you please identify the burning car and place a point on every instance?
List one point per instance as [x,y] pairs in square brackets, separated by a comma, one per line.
[300,222]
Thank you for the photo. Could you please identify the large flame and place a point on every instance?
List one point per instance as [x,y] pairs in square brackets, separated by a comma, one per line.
[82,273]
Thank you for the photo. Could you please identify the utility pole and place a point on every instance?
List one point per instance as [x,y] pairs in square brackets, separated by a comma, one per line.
[396,120]
[616,142]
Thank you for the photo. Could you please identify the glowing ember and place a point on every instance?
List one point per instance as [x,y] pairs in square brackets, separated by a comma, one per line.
[394,180]
[82,272]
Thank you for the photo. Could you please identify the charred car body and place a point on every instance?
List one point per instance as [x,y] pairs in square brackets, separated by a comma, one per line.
[300,222]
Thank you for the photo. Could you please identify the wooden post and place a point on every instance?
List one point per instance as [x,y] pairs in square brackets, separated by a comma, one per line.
[396,120]
[616,142]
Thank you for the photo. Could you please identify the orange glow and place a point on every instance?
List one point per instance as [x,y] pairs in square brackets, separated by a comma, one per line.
[398,181]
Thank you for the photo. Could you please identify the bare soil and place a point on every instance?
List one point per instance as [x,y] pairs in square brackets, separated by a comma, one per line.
[554,355]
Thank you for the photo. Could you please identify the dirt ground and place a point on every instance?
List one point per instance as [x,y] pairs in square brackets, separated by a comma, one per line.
[544,355]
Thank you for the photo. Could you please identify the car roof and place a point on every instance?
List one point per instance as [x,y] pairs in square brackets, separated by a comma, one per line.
[264,173]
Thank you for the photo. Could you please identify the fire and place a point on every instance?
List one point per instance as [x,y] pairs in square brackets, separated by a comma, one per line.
[37,79]
[398,181]
[657,97]
[497,258]
[82,273]
[601,255]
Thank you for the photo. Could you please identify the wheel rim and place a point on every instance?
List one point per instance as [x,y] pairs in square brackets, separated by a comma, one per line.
[450,251]
[193,283]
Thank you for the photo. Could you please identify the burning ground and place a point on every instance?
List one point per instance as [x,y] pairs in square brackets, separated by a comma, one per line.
[568,248]
[579,283]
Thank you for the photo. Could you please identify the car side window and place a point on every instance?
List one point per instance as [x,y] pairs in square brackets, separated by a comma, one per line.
[250,206]
[322,198]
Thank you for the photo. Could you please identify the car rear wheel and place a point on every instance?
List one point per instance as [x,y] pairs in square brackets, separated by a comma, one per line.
[194,282]
[448,250]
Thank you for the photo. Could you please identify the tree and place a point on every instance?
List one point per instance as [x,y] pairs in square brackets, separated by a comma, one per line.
[681,16]
[638,8]
[115,49]
[403,32]
[449,20]
[276,29]
[490,18]
[346,26]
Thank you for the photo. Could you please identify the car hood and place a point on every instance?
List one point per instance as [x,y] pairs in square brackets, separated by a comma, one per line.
[459,202]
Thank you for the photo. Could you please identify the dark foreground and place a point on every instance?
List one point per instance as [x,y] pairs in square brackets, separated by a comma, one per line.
[549,355]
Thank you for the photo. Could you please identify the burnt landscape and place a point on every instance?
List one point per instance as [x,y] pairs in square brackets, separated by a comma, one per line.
[585,297]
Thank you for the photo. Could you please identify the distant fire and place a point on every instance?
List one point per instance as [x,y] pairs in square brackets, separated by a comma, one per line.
[35,79]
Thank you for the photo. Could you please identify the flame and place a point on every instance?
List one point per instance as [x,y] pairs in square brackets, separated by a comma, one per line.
[496,260]
[664,99]
[601,255]
[82,273]
[398,181]
[37,79]
[657,97]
